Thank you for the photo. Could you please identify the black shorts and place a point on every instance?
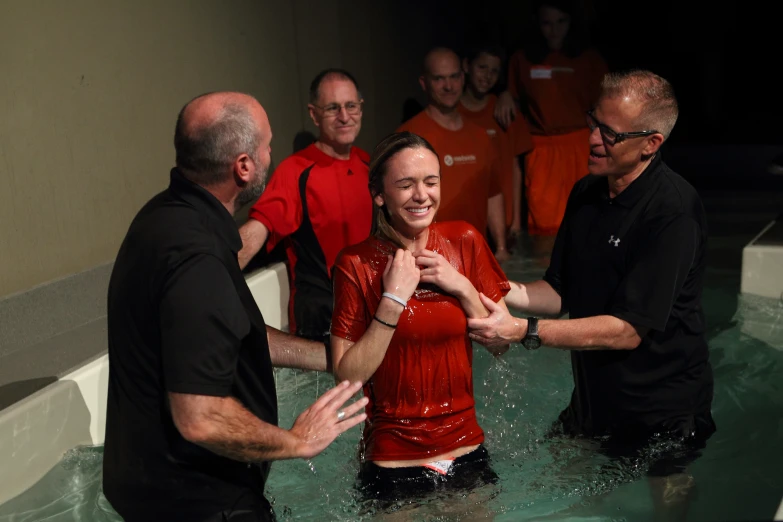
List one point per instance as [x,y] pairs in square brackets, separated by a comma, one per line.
[392,485]
[665,450]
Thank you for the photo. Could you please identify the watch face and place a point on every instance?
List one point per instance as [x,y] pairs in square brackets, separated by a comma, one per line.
[531,343]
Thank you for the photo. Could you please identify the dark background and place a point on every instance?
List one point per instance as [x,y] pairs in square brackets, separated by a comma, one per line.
[722,59]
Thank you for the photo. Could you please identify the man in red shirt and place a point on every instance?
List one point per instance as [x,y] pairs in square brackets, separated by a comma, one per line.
[471,170]
[317,201]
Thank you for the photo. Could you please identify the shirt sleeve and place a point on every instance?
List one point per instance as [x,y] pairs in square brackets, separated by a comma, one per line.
[482,268]
[280,206]
[349,319]
[202,324]
[658,272]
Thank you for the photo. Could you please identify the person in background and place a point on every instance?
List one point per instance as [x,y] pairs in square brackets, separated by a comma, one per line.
[317,202]
[554,80]
[472,171]
[482,66]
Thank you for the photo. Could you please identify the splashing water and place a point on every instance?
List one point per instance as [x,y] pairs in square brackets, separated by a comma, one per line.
[541,478]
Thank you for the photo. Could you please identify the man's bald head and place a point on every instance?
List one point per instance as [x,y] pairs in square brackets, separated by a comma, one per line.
[443,78]
[213,130]
[439,56]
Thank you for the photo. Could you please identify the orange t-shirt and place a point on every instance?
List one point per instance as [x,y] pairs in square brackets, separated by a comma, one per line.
[557,92]
[509,143]
[421,396]
[470,169]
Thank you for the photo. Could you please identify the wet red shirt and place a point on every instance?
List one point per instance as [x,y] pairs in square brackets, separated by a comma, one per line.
[421,396]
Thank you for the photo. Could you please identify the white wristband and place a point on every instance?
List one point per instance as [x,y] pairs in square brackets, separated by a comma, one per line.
[395,298]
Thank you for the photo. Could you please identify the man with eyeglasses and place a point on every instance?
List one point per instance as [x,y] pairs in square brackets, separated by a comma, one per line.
[628,267]
[318,202]
[471,170]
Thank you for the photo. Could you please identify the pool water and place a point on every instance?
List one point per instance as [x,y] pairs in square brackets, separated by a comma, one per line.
[518,396]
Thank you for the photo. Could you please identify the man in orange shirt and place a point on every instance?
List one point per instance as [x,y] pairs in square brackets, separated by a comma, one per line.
[471,171]
[482,65]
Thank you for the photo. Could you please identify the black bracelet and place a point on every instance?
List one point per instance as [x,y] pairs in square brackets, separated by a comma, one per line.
[384,323]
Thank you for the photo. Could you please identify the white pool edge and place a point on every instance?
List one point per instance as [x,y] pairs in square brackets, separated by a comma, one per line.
[762,268]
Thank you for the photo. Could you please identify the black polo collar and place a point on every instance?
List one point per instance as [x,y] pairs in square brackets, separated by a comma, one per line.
[208,206]
[638,187]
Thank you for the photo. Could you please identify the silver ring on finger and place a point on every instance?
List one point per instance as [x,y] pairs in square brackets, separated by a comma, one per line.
[340,415]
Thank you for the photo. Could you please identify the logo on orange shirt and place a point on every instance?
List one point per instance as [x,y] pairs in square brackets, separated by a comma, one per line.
[450,160]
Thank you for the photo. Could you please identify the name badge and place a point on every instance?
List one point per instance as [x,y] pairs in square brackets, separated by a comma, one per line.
[541,72]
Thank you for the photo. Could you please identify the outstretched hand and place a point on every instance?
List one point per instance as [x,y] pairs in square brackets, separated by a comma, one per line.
[326,419]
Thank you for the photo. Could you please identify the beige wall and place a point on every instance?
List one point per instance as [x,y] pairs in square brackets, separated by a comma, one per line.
[90,90]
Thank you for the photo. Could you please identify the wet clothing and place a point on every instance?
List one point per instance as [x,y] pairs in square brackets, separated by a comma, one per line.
[410,484]
[421,396]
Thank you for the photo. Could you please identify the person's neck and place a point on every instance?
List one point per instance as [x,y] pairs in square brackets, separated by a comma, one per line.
[335,150]
[448,118]
[474,101]
[226,196]
[223,192]
[416,241]
[617,184]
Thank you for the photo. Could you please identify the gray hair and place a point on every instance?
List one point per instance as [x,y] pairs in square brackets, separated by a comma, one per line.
[208,152]
[660,109]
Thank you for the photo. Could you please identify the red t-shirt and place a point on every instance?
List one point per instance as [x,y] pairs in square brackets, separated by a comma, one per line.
[470,169]
[421,396]
[319,205]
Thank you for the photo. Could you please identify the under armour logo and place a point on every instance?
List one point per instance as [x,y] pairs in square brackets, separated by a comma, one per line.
[615,241]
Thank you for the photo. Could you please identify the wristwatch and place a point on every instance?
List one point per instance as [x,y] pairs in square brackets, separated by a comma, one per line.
[532,341]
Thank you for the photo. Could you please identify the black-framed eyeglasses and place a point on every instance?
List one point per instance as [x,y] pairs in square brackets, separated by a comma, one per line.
[333,109]
[610,136]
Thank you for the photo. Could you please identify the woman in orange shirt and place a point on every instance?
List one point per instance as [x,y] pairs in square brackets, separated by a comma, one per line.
[402,298]
[555,80]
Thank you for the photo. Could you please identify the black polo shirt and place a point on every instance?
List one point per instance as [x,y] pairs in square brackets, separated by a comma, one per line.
[180,319]
[640,257]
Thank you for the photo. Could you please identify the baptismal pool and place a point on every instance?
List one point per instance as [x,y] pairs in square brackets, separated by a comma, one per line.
[518,396]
